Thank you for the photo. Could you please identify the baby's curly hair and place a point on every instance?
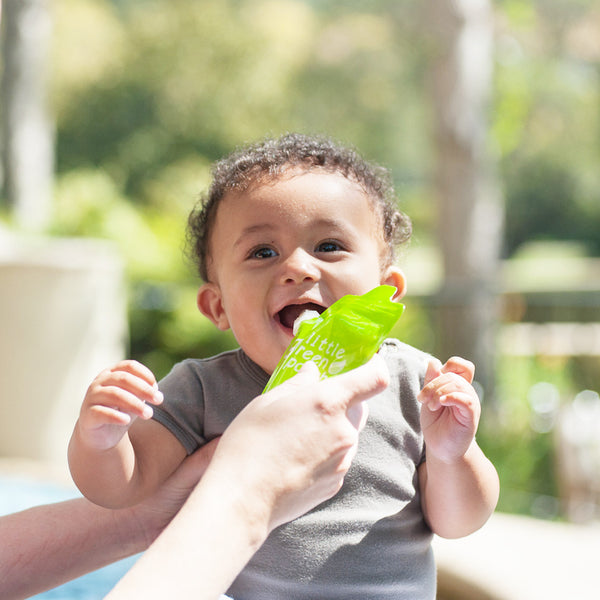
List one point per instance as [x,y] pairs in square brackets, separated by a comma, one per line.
[269,159]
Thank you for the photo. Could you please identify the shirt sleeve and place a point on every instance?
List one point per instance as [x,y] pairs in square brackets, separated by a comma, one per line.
[182,411]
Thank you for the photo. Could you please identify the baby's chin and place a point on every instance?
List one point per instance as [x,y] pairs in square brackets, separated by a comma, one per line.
[268,353]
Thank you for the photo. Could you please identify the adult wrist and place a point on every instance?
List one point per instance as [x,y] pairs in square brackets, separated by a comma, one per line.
[250,502]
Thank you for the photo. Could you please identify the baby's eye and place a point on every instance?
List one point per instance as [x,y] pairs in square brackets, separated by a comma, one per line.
[262,252]
[329,246]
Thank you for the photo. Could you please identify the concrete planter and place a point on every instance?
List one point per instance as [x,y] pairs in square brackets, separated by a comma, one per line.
[62,320]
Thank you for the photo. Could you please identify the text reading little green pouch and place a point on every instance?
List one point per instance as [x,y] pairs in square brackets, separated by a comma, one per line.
[344,337]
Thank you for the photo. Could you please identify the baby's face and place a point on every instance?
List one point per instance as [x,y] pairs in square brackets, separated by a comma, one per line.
[302,241]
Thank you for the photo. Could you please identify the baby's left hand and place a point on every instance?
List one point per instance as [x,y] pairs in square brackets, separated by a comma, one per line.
[451,408]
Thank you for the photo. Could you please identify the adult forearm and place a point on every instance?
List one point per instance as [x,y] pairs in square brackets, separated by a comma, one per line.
[458,498]
[48,545]
[204,548]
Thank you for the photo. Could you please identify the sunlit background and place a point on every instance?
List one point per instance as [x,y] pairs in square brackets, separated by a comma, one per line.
[136,98]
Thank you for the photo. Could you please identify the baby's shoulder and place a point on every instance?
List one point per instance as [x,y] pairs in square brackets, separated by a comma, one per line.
[404,360]
[231,368]
[199,368]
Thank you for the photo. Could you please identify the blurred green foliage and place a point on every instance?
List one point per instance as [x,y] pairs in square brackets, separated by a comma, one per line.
[545,201]
[520,440]
[147,93]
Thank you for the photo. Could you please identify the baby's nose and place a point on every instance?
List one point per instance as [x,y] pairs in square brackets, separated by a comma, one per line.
[300,266]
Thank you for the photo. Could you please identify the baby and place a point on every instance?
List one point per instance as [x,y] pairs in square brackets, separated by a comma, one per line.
[291,224]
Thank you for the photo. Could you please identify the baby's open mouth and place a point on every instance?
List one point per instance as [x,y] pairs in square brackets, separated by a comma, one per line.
[288,314]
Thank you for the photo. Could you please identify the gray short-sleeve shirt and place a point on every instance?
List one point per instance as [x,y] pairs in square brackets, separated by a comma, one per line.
[370,541]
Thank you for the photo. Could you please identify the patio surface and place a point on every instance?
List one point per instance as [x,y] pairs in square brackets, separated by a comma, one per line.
[520,558]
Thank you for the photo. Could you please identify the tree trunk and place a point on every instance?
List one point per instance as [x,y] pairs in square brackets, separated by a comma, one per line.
[27,130]
[469,199]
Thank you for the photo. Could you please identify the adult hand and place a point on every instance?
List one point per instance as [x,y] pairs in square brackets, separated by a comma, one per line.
[155,513]
[294,444]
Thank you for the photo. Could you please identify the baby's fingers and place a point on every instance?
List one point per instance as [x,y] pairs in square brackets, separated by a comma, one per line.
[460,366]
[447,390]
[459,398]
[136,379]
[98,416]
[116,396]
[434,369]
[101,427]
[128,376]
[134,386]
[108,400]
[464,404]
[135,368]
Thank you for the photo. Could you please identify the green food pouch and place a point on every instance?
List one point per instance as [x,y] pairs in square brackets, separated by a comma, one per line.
[345,336]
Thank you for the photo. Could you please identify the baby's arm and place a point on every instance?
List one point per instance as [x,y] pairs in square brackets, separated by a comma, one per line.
[459,485]
[116,455]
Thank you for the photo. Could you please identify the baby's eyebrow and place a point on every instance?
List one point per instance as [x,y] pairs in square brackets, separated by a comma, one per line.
[251,230]
[334,225]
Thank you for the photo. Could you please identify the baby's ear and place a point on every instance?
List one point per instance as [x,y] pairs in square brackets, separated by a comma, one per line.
[210,304]
[394,276]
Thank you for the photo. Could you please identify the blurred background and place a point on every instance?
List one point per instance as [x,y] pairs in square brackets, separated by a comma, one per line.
[487,115]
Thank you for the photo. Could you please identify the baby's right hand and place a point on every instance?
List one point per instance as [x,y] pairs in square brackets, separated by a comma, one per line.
[115,398]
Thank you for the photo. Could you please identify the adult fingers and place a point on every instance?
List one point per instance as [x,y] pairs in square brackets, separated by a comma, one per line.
[348,389]
[344,393]
[309,373]
[307,376]
[359,384]
[193,467]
